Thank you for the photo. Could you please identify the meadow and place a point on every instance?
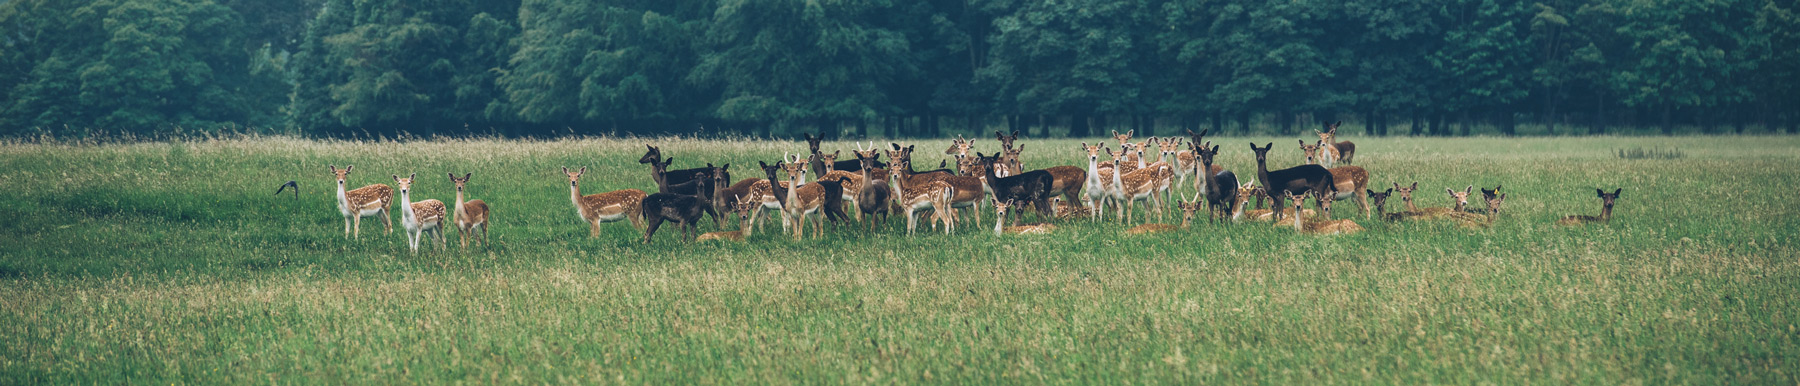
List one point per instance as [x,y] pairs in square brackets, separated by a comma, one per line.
[173,262]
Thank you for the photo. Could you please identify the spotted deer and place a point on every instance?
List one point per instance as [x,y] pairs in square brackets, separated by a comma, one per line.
[853,184]
[1000,228]
[1335,151]
[921,197]
[1139,185]
[876,196]
[970,191]
[1493,198]
[1606,208]
[1322,227]
[1412,212]
[959,147]
[803,199]
[1299,179]
[1349,180]
[1099,179]
[471,216]
[684,209]
[419,217]
[599,208]
[365,201]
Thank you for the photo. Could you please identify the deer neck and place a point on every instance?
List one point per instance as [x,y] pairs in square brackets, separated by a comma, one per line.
[1207,179]
[1409,205]
[1606,214]
[343,199]
[1460,205]
[999,223]
[1299,222]
[459,202]
[1262,173]
[1118,182]
[406,210]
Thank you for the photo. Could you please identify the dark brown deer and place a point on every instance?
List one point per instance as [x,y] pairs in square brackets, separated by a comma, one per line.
[1033,186]
[876,194]
[683,209]
[1296,181]
[818,166]
[1221,190]
[654,156]
[1006,142]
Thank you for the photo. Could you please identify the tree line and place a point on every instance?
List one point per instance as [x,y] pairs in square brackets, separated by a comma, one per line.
[897,68]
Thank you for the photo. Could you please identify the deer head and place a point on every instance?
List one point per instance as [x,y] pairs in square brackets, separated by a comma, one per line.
[1123,139]
[812,142]
[405,184]
[1462,198]
[1379,199]
[575,175]
[1607,198]
[342,174]
[653,155]
[460,181]
[1312,152]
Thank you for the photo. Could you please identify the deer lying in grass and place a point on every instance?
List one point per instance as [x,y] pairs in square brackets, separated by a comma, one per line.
[1323,227]
[1335,151]
[1000,227]
[363,202]
[1299,179]
[1461,200]
[683,209]
[1068,211]
[745,209]
[419,217]
[1493,198]
[1188,208]
[596,209]
[1606,202]
[1349,181]
[1379,200]
[470,215]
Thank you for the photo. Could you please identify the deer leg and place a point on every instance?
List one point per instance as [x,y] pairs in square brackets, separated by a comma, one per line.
[911,222]
[357,232]
[484,235]
[386,220]
[346,227]
[462,235]
[594,229]
[650,227]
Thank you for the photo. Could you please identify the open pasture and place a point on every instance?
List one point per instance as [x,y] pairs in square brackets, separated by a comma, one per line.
[174,263]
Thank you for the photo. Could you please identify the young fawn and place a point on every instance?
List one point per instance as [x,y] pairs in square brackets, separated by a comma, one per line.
[595,209]
[363,202]
[1322,227]
[1606,201]
[1000,227]
[419,217]
[470,215]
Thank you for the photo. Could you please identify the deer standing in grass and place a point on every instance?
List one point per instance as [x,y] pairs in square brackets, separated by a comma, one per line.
[683,209]
[853,182]
[1299,179]
[803,199]
[1219,199]
[1606,201]
[1323,227]
[1099,180]
[595,209]
[363,202]
[931,195]
[471,215]
[1349,180]
[1138,185]
[876,196]
[970,191]
[1335,151]
[419,217]
[1000,227]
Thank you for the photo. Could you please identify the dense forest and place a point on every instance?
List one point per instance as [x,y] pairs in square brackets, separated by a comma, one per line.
[896,68]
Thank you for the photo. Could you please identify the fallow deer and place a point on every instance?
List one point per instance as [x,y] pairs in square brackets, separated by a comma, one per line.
[1606,202]
[959,147]
[1098,180]
[365,201]
[1000,227]
[1461,200]
[853,182]
[747,224]
[1066,210]
[595,209]
[1241,211]
[683,209]
[803,199]
[1187,160]
[702,188]
[1349,180]
[917,198]
[876,196]
[419,217]
[1219,199]
[1323,227]
[470,215]
[1030,187]
[1299,179]
[1379,201]
[818,167]
[1006,141]
[1336,151]
[1493,198]
[969,190]
[1139,185]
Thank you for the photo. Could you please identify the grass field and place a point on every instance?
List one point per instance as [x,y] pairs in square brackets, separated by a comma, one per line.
[162,263]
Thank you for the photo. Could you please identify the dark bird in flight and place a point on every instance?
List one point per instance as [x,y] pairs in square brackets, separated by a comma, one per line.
[289,184]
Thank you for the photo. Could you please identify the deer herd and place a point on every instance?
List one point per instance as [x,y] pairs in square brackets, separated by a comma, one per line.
[868,190]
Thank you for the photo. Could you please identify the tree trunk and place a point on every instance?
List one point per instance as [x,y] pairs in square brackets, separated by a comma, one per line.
[1287,121]
[1509,123]
[1244,119]
[1462,123]
[862,128]
[887,127]
[1413,128]
[1668,119]
[1598,126]
[1078,126]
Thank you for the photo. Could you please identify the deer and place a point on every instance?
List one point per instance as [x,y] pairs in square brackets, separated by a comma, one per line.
[1493,198]
[1323,227]
[942,199]
[702,188]
[1461,200]
[802,199]
[1251,189]
[1166,149]
[959,147]
[747,224]
[1139,185]
[1010,158]
[772,192]
[470,215]
[1220,200]
[1379,201]
[1029,187]
[1335,151]
[1006,141]
[674,177]
[876,195]
[362,202]
[1188,159]
[1188,208]
[917,198]
[1098,180]
[1349,180]
[1065,181]
[1606,202]
[419,217]
[1299,179]
[852,183]
[683,209]
[596,209]
[726,194]
[1000,227]
[1066,210]
[818,166]
[969,190]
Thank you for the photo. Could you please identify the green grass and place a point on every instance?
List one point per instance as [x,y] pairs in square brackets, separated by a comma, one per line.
[173,263]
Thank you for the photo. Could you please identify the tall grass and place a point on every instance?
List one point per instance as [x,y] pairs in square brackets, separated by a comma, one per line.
[175,263]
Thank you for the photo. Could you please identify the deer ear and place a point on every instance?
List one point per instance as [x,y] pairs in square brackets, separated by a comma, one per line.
[726,167]
[452,176]
[348,167]
[1470,189]
[583,171]
[396,177]
[1415,185]
[1215,150]
[1271,145]
[333,168]
[413,176]
[1616,191]
[565,170]
[1015,133]
[1021,147]
[466,176]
